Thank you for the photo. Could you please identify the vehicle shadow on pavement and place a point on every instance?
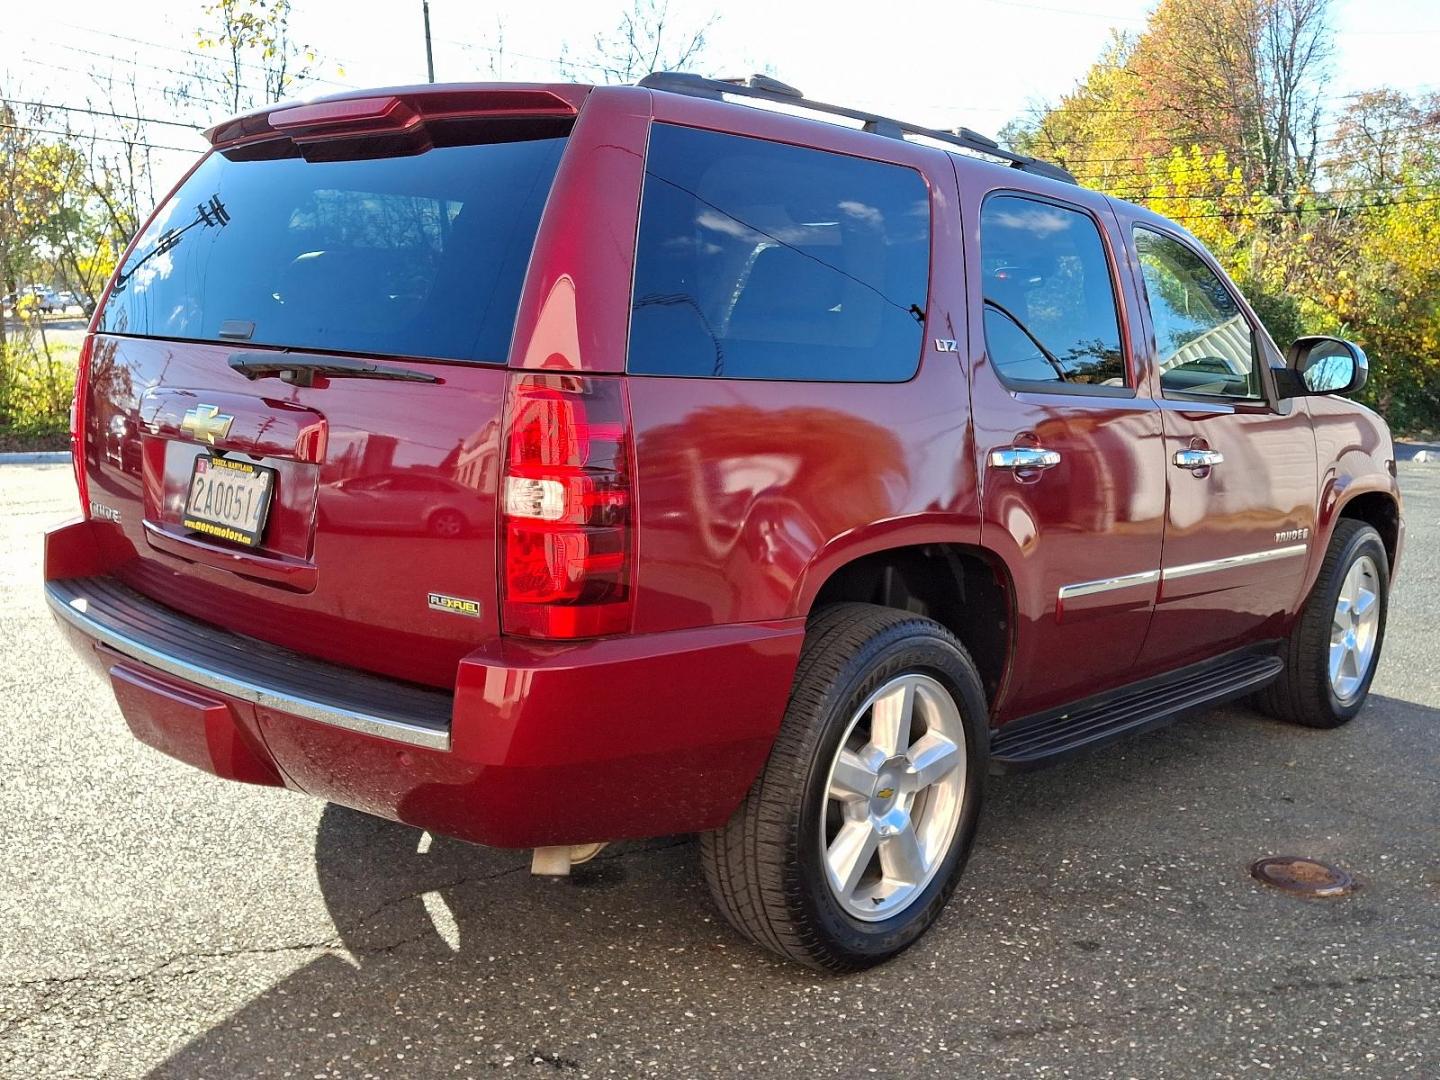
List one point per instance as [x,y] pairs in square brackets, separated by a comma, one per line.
[449,959]
[449,954]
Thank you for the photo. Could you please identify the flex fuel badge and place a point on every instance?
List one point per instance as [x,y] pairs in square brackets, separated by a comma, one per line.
[456,605]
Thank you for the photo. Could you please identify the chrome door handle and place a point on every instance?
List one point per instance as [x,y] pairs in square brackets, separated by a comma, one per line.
[1198,459]
[1024,457]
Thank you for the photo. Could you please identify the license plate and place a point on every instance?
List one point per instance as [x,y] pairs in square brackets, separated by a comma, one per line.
[229,499]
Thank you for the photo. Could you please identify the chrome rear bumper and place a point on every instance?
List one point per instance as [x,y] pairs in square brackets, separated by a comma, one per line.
[249,669]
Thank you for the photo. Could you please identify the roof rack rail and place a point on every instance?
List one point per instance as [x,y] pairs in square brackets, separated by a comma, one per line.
[768,89]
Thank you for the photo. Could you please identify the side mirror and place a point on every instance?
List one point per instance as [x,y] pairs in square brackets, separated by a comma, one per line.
[1323,365]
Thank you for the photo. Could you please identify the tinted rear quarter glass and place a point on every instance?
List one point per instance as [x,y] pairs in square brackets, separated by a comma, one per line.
[760,260]
[418,255]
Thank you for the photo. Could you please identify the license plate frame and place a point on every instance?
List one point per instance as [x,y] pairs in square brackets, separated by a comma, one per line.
[243,488]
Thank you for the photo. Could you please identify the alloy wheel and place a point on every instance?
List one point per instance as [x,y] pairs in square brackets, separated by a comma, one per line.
[893,797]
[1355,628]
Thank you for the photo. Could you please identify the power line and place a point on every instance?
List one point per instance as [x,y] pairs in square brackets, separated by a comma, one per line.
[1178,143]
[137,63]
[1324,164]
[556,62]
[1395,154]
[1152,110]
[99,138]
[475,46]
[1197,136]
[157,88]
[100,112]
[197,54]
[1134,196]
[1138,110]
[1206,153]
[1314,209]
[1339,137]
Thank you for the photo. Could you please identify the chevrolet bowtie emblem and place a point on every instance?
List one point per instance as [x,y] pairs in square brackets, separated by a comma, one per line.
[206,422]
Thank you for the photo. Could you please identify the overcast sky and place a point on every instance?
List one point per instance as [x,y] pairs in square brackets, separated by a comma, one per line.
[972,62]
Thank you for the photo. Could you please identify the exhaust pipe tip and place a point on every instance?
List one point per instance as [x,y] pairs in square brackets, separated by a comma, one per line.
[557,861]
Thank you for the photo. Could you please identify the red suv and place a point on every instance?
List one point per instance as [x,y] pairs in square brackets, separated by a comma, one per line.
[552,465]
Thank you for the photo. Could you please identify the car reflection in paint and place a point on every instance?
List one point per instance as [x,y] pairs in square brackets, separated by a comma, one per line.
[404,501]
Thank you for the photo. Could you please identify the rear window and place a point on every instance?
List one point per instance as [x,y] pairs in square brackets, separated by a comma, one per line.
[758,260]
[1051,320]
[420,255]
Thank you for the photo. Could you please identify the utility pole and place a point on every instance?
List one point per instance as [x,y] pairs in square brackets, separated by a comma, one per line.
[429,52]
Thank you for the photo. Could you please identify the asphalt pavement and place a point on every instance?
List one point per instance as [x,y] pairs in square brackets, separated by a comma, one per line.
[156,921]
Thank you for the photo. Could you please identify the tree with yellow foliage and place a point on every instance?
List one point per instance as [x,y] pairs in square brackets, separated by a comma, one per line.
[1212,116]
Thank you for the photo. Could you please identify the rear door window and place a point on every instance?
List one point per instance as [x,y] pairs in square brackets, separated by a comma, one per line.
[1051,318]
[758,260]
[421,255]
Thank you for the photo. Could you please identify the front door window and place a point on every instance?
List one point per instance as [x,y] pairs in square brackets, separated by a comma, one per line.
[1203,342]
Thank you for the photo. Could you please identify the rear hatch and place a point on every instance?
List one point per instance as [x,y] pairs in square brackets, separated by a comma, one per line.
[296,384]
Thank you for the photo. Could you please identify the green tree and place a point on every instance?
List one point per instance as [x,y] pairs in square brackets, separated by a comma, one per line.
[31,183]
[1385,137]
[1211,115]
[1238,77]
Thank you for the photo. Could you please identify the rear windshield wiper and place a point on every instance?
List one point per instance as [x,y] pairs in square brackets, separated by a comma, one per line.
[301,372]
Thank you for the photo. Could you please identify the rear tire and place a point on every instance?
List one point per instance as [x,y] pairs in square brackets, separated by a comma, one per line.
[883,741]
[1334,648]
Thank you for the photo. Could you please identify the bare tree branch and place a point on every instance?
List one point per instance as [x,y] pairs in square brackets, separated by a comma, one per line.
[644,40]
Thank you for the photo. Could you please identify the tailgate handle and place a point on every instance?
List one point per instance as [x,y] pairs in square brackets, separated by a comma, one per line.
[299,372]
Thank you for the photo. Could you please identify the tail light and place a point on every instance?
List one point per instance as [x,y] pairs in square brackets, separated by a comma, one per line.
[77,422]
[568,508]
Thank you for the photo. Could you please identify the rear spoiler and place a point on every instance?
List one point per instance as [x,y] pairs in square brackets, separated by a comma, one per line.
[397,110]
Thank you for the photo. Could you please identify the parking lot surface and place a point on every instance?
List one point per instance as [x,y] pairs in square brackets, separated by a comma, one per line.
[68,331]
[156,921]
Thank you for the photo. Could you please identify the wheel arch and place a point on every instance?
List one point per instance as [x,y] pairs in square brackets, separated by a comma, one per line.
[964,587]
[1380,510]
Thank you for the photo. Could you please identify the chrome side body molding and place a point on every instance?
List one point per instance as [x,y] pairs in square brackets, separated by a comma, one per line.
[1169,573]
[1125,581]
[1210,566]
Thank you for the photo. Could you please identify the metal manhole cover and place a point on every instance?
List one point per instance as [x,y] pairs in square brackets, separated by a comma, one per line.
[1304,877]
